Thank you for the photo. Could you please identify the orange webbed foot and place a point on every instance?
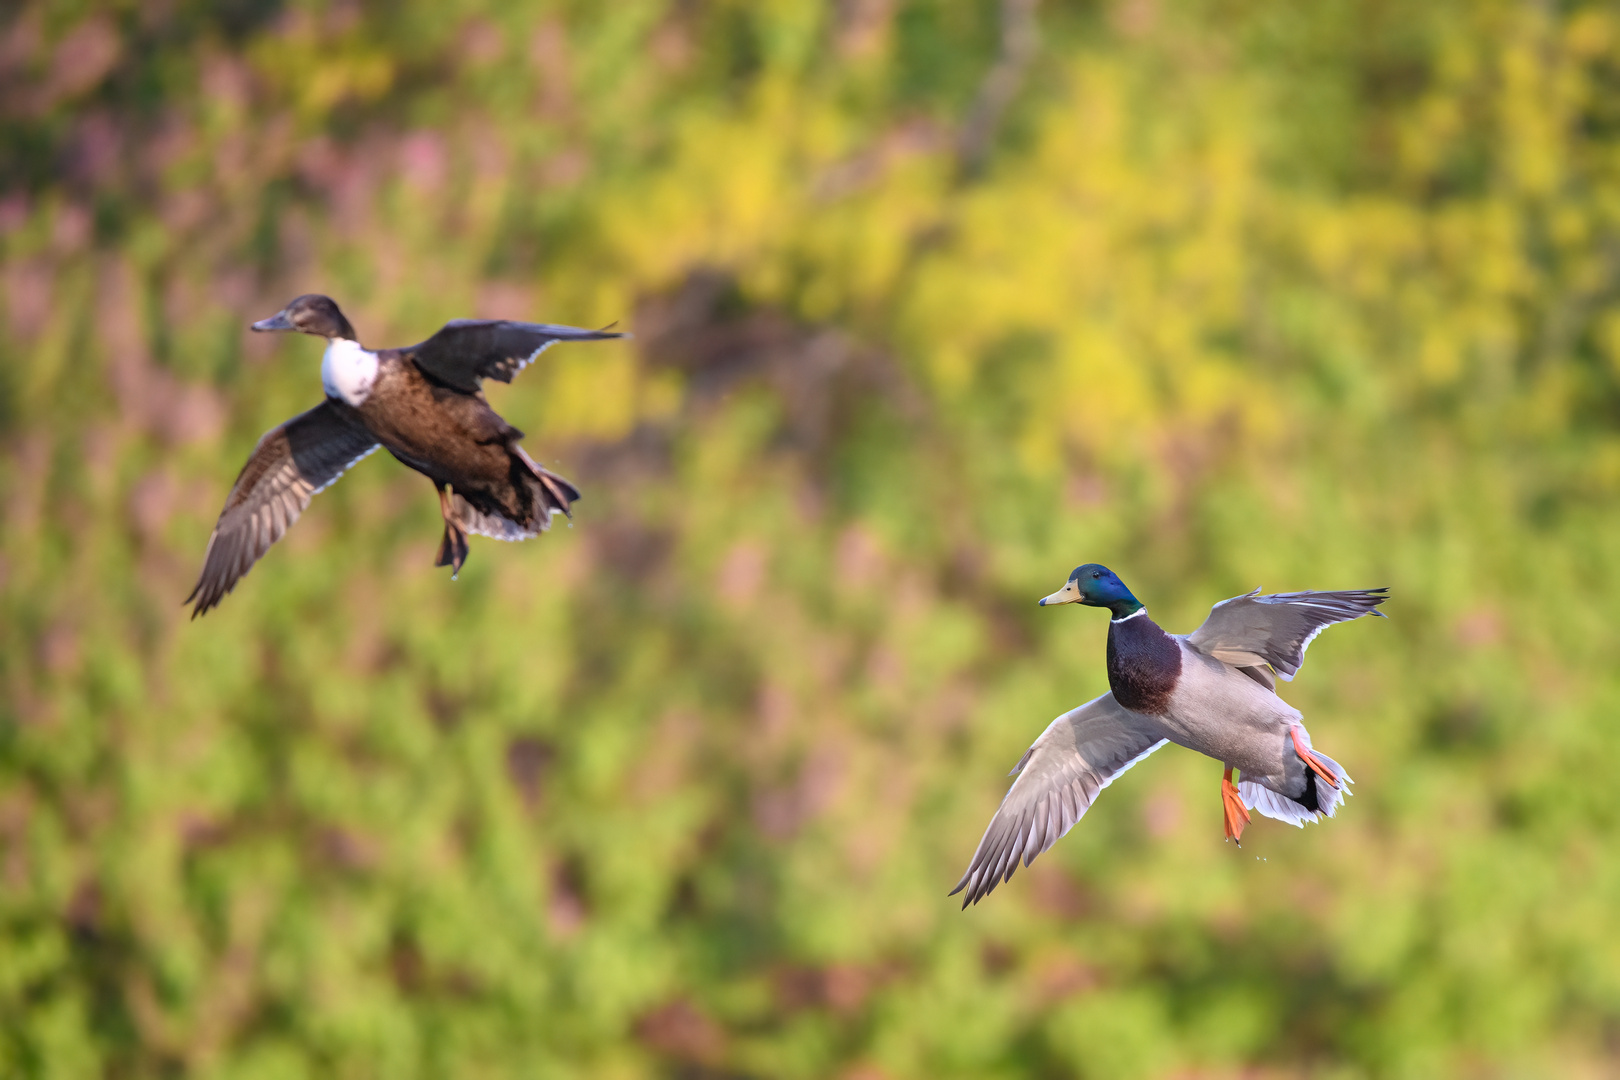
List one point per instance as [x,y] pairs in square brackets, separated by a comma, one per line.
[1237,815]
[1313,762]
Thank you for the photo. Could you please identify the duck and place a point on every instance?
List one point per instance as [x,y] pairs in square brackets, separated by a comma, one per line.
[1213,690]
[425,404]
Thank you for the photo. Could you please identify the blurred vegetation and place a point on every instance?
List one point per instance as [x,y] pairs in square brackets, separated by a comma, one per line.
[933,300]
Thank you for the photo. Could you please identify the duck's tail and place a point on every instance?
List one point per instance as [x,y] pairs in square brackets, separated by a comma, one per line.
[540,495]
[549,493]
[524,511]
[1319,799]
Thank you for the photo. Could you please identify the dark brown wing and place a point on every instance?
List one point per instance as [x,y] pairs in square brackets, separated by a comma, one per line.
[469,350]
[1251,629]
[291,463]
[1079,754]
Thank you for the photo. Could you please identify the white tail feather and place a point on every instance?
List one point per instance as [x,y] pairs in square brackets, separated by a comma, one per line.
[1282,808]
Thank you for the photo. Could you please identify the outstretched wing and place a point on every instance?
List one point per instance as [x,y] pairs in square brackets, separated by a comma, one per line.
[466,351]
[1250,630]
[1078,755]
[291,463]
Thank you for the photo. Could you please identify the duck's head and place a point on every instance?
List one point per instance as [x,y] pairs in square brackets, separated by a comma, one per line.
[311,313]
[1096,586]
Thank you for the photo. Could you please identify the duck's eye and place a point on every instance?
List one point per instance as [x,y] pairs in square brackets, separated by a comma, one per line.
[1095,574]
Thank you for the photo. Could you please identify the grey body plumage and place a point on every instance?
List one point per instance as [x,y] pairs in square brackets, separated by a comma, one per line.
[1212,691]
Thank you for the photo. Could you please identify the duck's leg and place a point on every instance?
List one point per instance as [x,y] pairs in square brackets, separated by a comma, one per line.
[1311,761]
[453,548]
[1237,815]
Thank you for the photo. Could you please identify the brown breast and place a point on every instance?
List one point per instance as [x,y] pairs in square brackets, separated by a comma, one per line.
[451,436]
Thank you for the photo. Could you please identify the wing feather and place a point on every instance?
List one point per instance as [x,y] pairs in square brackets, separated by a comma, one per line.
[1250,631]
[467,351]
[1079,754]
[291,463]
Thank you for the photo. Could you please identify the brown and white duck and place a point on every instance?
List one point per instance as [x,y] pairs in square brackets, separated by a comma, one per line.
[1213,690]
[425,405]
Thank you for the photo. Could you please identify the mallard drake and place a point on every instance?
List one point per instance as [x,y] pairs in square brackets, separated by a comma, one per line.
[426,405]
[1213,690]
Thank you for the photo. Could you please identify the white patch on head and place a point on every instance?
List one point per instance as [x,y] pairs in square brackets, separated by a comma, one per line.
[348,371]
[1132,615]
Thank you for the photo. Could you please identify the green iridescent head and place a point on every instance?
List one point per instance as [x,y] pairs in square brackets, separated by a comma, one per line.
[1096,586]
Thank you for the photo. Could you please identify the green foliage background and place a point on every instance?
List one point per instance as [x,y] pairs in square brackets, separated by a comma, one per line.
[1228,294]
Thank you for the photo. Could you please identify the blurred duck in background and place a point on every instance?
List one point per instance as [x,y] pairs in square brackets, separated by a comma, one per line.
[424,404]
[1213,691]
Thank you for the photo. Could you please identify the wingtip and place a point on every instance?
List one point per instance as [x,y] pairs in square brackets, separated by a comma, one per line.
[973,893]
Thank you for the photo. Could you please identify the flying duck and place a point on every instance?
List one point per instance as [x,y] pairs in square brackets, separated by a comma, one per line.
[424,404]
[1213,690]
